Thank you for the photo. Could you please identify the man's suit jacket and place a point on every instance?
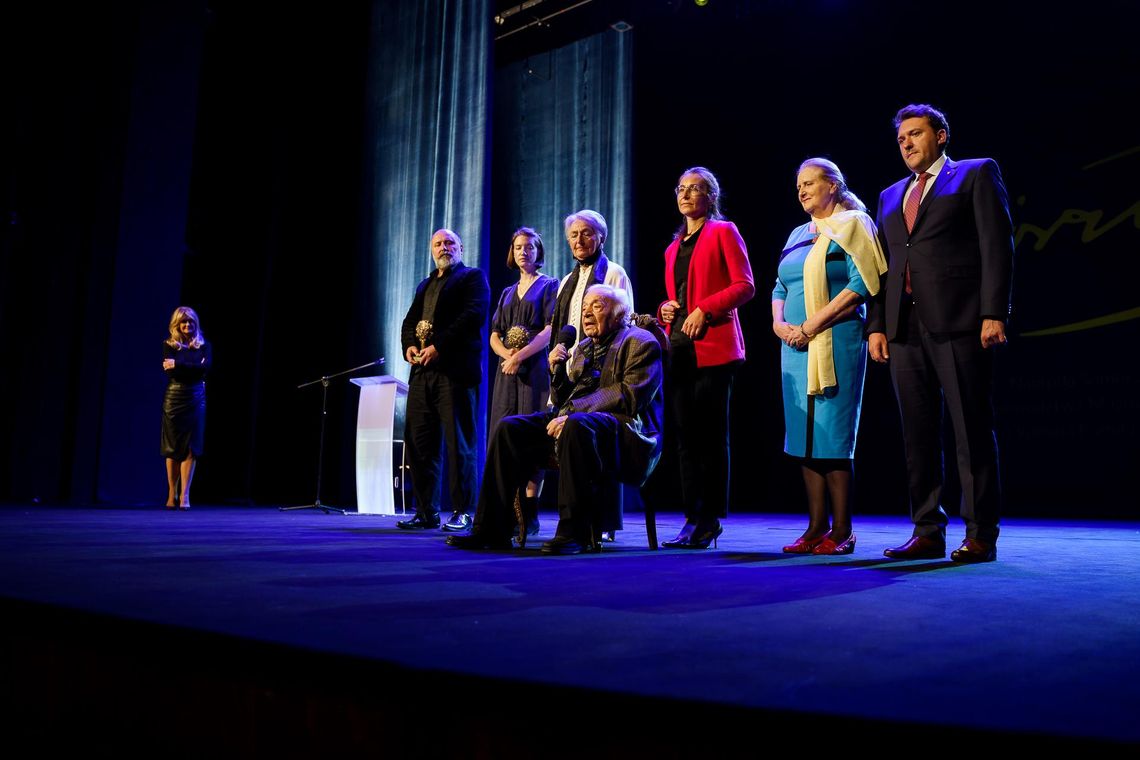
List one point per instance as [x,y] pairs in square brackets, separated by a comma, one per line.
[460,313]
[630,389]
[960,251]
[718,282]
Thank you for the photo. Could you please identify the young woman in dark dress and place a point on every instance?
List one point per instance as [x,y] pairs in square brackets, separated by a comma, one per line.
[185,359]
[520,332]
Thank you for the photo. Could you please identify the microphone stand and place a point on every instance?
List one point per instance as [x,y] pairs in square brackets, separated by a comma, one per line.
[324,381]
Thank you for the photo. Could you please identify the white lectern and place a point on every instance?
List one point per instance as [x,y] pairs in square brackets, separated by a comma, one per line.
[376,420]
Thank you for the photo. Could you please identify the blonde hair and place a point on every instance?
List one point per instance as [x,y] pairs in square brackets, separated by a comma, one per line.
[175,339]
[831,173]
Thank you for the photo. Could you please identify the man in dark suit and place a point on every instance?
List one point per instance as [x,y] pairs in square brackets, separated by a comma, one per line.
[605,428]
[442,336]
[949,235]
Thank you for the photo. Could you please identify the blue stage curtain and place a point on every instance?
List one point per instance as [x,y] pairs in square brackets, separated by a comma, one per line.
[428,126]
[562,143]
[428,166]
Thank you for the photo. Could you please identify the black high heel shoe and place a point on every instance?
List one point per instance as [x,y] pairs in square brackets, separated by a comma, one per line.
[706,535]
[683,538]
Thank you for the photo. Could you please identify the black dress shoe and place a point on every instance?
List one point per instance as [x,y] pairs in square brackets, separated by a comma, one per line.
[478,539]
[972,550]
[420,522]
[457,523]
[919,547]
[560,545]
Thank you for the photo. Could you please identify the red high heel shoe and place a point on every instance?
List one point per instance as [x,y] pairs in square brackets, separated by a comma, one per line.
[805,545]
[828,546]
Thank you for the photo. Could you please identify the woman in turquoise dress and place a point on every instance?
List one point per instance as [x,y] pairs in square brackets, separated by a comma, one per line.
[828,268]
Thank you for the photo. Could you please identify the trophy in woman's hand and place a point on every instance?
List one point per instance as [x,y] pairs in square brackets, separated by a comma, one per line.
[518,338]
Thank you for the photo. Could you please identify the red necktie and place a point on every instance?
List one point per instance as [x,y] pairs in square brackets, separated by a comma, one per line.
[910,213]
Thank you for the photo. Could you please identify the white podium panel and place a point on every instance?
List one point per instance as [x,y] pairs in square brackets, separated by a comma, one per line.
[375,433]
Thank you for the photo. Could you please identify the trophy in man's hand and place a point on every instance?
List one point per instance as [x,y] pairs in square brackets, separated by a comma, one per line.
[424,333]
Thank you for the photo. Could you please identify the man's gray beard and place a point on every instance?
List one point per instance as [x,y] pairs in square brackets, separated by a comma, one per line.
[443,264]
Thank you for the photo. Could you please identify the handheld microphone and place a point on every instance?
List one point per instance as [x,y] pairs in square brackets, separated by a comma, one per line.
[568,336]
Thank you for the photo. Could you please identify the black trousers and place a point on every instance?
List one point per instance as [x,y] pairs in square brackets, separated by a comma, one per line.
[441,409]
[587,456]
[699,400]
[929,370]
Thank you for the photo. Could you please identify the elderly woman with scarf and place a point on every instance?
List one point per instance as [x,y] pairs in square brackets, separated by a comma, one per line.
[828,268]
[586,233]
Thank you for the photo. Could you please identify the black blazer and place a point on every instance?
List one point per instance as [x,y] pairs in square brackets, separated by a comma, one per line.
[960,251]
[460,313]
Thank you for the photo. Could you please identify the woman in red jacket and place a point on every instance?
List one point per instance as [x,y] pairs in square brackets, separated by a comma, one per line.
[707,278]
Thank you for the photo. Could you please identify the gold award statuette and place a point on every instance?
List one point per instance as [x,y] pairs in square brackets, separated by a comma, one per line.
[424,333]
[518,338]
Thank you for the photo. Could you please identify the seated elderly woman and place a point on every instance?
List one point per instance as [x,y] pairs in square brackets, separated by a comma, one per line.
[606,427]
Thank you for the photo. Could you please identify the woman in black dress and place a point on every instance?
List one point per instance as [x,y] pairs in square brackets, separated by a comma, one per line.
[185,359]
[520,332]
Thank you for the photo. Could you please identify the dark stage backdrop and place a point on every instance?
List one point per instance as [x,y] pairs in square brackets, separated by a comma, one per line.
[99,108]
[752,89]
[261,117]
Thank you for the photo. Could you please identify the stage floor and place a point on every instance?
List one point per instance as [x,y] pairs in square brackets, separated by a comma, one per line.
[1046,640]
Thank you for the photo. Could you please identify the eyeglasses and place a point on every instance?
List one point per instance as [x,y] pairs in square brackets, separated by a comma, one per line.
[694,189]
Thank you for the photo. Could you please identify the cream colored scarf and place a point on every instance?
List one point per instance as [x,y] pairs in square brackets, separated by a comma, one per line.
[855,233]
